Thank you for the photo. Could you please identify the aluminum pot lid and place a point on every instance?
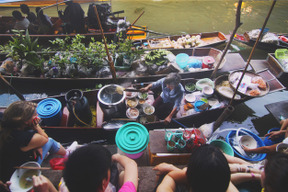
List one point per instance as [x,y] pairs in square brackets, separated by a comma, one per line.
[132,138]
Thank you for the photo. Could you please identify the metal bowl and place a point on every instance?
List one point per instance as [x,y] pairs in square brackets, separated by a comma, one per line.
[111,95]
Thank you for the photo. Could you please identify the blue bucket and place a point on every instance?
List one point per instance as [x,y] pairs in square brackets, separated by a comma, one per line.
[269,142]
[49,110]
[257,157]
[182,60]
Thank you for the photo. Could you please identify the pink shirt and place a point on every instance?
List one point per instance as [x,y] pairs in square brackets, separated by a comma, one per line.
[127,187]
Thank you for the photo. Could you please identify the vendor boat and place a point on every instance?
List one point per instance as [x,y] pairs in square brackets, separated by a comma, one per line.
[37,3]
[279,41]
[235,61]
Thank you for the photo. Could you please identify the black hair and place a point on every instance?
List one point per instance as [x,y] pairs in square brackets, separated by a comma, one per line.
[208,170]
[86,167]
[24,8]
[17,15]
[276,173]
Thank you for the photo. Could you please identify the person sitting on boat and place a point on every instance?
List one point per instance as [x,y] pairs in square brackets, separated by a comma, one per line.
[89,168]
[45,23]
[207,170]
[22,23]
[73,18]
[30,15]
[22,139]
[168,103]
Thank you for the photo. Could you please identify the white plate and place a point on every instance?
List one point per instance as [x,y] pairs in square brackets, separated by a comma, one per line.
[190,97]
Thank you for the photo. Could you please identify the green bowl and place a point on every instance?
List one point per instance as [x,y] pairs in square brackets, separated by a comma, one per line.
[223,146]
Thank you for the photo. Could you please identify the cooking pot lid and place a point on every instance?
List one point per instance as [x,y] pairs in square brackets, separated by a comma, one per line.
[132,138]
[111,94]
[48,108]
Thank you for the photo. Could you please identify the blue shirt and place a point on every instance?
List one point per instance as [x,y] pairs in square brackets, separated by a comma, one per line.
[175,95]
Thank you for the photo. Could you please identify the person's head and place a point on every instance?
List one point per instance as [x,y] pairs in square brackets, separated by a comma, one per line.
[38,10]
[208,170]
[274,178]
[17,15]
[68,2]
[88,169]
[24,8]
[172,80]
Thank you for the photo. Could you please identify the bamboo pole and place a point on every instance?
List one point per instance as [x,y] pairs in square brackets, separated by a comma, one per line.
[19,95]
[136,20]
[252,51]
[237,25]
[227,112]
[110,61]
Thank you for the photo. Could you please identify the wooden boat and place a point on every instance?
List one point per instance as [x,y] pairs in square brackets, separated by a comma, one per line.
[7,22]
[69,83]
[37,3]
[207,39]
[261,45]
[68,130]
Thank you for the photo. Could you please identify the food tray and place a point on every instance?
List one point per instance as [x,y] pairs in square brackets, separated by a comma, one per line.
[159,43]
[248,75]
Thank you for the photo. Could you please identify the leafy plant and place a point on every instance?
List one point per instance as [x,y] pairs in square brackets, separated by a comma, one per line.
[126,48]
[22,47]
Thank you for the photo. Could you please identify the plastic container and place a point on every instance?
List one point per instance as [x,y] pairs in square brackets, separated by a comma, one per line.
[230,138]
[50,111]
[194,63]
[208,62]
[197,104]
[281,53]
[132,138]
[204,82]
[223,146]
[17,184]
[182,60]
[269,142]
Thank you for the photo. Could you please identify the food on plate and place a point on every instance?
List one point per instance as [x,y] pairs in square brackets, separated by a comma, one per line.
[188,106]
[228,92]
[254,92]
[190,87]
[132,103]
[149,110]
[133,113]
[261,83]
[142,95]
[141,101]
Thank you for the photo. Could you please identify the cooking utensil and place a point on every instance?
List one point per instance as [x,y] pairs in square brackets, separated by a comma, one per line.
[34,168]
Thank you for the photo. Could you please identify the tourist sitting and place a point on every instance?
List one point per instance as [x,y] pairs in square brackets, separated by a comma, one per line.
[22,139]
[30,15]
[73,18]
[45,23]
[22,23]
[168,103]
[208,170]
[88,168]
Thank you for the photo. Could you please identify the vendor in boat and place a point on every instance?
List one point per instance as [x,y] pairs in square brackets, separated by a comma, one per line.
[168,103]
[73,18]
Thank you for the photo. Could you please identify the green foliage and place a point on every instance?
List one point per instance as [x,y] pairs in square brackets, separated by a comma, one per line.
[156,56]
[126,48]
[22,47]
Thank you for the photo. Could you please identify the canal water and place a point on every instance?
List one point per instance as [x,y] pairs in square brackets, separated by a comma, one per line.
[194,16]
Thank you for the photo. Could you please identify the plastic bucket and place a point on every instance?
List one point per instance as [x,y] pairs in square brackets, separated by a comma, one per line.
[132,138]
[208,62]
[49,110]
[223,146]
[230,138]
[269,142]
[197,104]
[182,60]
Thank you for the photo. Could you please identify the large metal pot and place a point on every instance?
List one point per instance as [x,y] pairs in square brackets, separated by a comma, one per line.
[111,99]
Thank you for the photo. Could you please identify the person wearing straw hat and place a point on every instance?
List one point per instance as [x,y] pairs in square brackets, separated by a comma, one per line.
[168,103]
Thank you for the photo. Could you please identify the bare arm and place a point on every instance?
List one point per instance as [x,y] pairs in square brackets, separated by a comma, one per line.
[42,184]
[264,149]
[145,89]
[171,179]
[36,142]
[232,188]
[238,178]
[169,117]
[130,168]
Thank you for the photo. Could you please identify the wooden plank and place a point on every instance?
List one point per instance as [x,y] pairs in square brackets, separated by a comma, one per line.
[279,110]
